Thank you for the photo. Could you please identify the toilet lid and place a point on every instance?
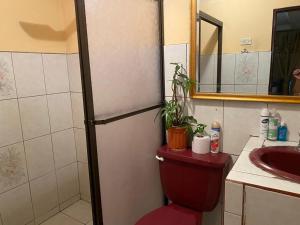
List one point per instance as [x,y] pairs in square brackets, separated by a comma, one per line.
[171,215]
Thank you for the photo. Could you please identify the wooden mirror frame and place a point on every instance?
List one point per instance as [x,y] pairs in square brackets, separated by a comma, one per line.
[221,96]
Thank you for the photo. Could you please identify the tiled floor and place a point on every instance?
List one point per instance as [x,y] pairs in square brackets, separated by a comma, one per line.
[77,214]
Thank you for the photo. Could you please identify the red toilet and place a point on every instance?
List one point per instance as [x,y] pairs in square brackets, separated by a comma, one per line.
[193,184]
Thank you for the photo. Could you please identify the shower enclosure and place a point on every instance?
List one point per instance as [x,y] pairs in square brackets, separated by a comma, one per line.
[80,85]
[43,158]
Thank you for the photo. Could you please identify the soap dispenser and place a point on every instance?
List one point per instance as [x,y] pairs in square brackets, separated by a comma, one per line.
[282,132]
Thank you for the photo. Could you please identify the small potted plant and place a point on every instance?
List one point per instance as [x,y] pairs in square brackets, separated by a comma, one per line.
[201,140]
[178,124]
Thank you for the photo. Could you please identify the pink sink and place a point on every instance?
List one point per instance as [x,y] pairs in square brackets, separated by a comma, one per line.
[282,161]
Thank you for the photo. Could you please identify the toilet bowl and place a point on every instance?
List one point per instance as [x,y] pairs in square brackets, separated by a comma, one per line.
[192,182]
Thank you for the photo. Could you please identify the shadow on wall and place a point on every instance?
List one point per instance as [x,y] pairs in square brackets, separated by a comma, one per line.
[45,32]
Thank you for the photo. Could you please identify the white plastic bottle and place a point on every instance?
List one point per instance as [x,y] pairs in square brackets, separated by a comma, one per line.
[264,124]
[273,126]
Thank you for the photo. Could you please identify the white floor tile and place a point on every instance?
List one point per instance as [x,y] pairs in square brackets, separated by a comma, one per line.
[80,211]
[61,219]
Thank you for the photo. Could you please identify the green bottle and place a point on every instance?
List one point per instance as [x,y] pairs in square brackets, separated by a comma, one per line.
[273,127]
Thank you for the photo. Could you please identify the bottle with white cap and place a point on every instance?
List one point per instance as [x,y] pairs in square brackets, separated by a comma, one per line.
[215,137]
[264,124]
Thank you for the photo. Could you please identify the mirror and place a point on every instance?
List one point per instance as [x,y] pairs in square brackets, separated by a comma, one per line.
[246,50]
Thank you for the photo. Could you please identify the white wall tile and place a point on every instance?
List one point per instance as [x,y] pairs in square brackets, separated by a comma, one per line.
[69,202]
[173,54]
[228,68]
[64,148]
[60,111]
[39,156]
[240,121]
[234,198]
[264,67]
[246,68]
[262,89]
[231,219]
[206,111]
[84,181]
[227,88]
[10,129]
[245,89]
[77,108]
[28,68]
[290,113]
[13,170]
[208,68]
[44,195]
[74,72]
[207,88]
[15,206]
[80,141]
[56,73]
[34,116]
[68,185]
[7,79]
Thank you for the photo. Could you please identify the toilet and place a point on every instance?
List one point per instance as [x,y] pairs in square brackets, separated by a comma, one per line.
[192,182]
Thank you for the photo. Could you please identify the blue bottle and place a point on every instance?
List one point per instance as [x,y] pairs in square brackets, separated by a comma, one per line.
[282,132]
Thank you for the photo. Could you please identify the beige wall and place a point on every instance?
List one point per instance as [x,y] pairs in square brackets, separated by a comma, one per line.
[36,26]
[251,18]
[245,18]
[177,21]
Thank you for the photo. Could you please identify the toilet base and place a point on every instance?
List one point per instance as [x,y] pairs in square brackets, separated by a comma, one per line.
[171,215]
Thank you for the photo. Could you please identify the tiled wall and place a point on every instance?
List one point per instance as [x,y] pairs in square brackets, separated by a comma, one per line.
[239,119]
[241,73]
[39,172]
[79,128]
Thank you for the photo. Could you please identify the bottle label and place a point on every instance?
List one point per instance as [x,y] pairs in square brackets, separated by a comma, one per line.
[214,141]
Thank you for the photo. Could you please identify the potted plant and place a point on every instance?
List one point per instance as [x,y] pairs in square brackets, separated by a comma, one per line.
[178,124]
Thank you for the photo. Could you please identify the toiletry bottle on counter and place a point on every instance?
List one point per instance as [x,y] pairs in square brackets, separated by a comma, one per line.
[282,132]
[215,137]
[264,124]
[273,126]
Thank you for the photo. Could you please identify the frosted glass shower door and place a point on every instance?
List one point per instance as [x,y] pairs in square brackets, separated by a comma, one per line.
[125,61]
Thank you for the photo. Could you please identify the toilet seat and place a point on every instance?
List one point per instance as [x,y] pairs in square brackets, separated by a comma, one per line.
[171,215]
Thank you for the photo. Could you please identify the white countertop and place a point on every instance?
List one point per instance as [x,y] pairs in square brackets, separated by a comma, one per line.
[244,171]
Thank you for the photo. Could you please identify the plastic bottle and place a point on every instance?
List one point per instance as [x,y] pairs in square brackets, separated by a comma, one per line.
[282,132]
[273,126]
[215,137]
[264,124]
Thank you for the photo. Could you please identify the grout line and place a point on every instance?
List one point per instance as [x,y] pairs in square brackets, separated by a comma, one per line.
[232,213]
[52,145]
[39,95]
[23,143]
[44,135]
[73,122]
[72,217]
[49,53]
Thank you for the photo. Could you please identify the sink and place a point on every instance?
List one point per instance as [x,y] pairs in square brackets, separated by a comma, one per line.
[282,161]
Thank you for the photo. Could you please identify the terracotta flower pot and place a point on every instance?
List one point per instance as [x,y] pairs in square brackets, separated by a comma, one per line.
[177,138]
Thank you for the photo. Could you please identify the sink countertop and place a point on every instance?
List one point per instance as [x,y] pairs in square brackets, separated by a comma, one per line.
[244,171]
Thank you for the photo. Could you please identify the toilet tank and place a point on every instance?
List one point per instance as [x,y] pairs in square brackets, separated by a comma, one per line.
[192,180]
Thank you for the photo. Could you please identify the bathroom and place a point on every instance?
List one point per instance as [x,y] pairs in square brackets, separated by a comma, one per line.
[77,146]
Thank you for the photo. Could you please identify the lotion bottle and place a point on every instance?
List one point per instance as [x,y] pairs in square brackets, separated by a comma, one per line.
[264,124]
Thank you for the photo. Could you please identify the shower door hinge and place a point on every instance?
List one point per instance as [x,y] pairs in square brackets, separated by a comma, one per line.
[90,122]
